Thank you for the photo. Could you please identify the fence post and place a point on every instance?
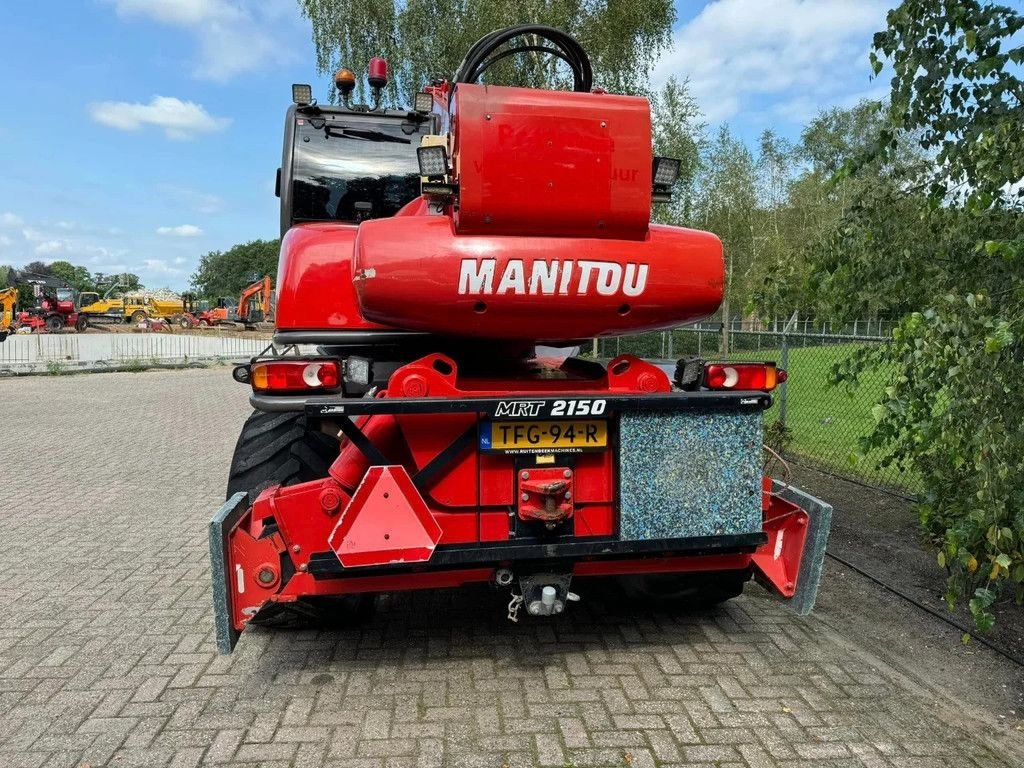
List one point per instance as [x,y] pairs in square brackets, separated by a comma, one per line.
[784,364]
[671,333]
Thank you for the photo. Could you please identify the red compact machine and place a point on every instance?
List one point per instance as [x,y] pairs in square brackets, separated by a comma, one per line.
[54,311]
[443,264]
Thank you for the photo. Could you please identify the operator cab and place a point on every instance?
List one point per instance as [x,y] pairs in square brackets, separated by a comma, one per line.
[348,162]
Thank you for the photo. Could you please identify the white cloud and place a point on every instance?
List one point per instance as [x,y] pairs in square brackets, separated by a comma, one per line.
[8,219]
[172,11]
[51,247]
[183,230]
[5,241]
[803,108]
[159,267]
[199,202]
[179,119]
[736,51]
[233,36]
[75,251]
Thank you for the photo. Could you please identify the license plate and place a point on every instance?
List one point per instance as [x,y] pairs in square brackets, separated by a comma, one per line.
[543,436]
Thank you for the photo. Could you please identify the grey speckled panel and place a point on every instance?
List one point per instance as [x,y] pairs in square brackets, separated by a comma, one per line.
[689,474]
[221,524]
[813,559]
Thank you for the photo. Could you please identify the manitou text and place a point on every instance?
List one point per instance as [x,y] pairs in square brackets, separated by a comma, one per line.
[542,277]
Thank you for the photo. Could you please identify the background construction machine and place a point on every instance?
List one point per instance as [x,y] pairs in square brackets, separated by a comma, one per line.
[119,305]
[54,311]
[211,312]
[254,310]
[8,302]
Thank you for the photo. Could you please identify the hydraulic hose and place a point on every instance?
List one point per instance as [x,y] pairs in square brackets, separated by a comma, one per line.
[567,48]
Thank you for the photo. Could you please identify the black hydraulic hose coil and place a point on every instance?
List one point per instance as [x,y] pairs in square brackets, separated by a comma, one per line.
[567,48]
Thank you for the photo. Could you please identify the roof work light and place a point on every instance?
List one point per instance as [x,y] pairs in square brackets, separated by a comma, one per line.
[423,102]
[302,94]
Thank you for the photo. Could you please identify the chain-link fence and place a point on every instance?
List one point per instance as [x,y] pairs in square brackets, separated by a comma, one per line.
[815,421]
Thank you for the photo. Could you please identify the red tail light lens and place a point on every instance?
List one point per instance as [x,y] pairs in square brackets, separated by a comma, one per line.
[743,376]
[295,375]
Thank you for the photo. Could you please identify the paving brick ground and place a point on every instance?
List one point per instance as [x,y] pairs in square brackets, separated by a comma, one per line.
[107,653]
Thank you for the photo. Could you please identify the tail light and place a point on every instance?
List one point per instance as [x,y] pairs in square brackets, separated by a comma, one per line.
[295,375]
[743,376]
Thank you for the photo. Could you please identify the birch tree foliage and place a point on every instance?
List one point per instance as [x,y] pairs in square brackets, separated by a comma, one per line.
[953,413]
[679,132]
[426,39]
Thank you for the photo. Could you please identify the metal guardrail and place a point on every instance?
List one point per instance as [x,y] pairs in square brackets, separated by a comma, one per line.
[28,353]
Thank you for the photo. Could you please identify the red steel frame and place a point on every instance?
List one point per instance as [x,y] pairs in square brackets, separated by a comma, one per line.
[384,529]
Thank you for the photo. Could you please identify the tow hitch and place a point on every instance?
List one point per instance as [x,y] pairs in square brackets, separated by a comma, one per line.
[543,594]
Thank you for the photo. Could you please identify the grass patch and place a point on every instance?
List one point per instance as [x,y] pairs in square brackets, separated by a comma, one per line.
[826,421]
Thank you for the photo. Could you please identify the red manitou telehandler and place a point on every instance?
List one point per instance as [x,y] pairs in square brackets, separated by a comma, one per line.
[433,257]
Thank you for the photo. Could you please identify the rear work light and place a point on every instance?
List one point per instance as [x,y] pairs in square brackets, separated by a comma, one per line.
[743,376]
[433,161]
[295,375]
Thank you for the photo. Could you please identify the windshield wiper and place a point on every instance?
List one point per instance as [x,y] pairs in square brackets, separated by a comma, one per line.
[349,133]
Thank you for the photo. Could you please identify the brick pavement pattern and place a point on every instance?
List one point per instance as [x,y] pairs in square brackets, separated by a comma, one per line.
[107,651]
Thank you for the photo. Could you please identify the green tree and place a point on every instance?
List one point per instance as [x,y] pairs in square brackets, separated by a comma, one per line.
[125,281]
[679,132]
[226,273]
[726,204]
[37,268]
[953,413]
[825,232]
[76,276]
[426,39]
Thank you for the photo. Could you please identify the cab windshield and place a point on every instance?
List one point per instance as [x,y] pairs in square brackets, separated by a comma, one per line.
[347,169]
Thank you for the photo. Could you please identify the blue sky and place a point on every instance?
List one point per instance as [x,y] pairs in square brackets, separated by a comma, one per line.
[139,134]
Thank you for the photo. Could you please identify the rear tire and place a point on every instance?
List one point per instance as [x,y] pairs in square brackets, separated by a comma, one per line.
[281,449]
[54,323]
[81,323]
[278,449]
[698,591]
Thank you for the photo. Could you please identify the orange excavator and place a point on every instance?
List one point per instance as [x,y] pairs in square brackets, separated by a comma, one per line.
[255,307]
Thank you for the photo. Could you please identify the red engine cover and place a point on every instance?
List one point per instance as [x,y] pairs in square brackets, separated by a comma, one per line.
[415,272]
[533,162]
[314,279]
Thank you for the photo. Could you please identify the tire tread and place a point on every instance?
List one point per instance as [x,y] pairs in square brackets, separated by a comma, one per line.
[278,449]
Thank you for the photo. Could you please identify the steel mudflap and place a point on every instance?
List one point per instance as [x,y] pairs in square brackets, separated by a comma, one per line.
[226,518]
[790,562]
